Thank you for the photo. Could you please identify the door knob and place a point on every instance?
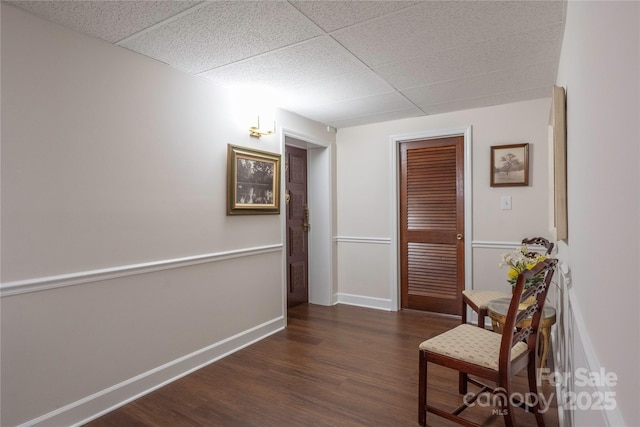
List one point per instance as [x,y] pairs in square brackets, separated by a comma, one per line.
[459,236]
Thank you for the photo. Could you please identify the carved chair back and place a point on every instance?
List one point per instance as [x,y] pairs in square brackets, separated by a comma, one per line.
[529,335]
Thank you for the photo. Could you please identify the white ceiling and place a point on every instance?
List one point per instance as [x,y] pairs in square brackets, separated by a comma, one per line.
[342,63]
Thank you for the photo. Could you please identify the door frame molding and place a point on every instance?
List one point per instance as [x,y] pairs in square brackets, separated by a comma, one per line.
[320,202]
[394,146]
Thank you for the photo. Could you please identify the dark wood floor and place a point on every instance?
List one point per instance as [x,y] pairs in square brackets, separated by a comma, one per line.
[332,366]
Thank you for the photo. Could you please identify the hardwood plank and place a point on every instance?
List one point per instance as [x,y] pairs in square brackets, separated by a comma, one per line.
[332,366]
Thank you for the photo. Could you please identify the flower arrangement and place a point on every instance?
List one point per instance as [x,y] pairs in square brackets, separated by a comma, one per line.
[520,260]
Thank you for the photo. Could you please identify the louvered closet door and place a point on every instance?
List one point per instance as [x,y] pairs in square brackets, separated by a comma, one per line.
[432,224]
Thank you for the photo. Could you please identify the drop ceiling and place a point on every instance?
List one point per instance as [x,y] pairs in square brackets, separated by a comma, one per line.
[342,63]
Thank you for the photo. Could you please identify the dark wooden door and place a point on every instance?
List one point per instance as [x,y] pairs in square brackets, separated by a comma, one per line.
[297,226]
[432,224]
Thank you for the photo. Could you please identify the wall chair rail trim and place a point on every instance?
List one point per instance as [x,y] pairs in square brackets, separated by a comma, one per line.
[368,240]
[489,244]
[52,282]
[479,244]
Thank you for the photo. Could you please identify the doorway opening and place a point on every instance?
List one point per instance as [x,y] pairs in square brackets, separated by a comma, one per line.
[319,218]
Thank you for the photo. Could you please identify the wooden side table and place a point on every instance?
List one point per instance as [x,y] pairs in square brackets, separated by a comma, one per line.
[497,311]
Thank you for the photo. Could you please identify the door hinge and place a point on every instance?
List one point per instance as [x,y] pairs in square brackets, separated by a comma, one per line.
[306,225]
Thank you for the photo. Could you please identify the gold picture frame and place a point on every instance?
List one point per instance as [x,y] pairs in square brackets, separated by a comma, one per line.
[510,165]
[253,181]
[558,225]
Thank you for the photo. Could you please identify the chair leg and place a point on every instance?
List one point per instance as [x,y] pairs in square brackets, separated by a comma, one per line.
[533,388]
[507,405]
[464,311]
[463,380]
[482,313]
[422,390]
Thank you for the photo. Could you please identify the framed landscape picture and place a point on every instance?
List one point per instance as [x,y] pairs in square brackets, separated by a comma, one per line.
[510,165]
[253,181]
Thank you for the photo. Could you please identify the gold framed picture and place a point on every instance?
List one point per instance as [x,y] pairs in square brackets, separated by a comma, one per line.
[253,181]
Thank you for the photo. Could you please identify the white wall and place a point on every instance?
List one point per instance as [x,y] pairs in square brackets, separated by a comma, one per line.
[364,208]
[113,196]
[600,69]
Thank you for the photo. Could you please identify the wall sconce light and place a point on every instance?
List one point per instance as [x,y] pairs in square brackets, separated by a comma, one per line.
[259,131]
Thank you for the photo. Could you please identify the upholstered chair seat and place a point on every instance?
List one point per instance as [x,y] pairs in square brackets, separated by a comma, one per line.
[472,345]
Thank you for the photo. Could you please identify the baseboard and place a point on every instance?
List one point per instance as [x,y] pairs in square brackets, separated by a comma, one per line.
[102,402]
[365,301]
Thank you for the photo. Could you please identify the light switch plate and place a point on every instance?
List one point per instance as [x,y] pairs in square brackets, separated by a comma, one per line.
[505,203]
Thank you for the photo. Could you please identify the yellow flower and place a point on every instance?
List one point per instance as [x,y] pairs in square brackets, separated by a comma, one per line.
[521,260]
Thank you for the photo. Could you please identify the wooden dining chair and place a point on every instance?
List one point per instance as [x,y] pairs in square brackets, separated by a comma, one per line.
[487,357]
[477,300]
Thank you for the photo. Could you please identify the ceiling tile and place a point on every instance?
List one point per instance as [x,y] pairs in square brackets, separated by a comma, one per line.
[223,32]
[300,64]
[513,80]
[526,48]
[108,20]
[435,26]
[343,87]
[333,15]
[376,118]
[502,98]
[376,104]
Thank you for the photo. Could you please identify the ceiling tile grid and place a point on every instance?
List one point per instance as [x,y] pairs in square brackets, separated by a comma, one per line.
[343,63]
